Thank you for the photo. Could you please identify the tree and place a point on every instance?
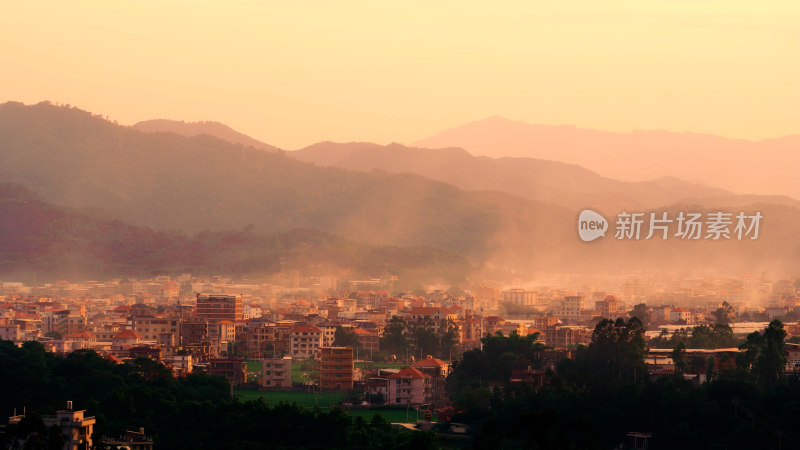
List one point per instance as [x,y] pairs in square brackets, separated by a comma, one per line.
[616,354]
[345,338]
[395,339]
[679,358]
[763,354]
[724,313]
[771,361]
[640,312]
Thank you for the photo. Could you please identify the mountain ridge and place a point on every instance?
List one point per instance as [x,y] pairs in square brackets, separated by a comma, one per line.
[741,166]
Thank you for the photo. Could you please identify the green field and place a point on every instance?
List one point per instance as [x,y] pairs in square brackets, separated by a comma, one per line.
[391,414]
[302,398]
[326,400]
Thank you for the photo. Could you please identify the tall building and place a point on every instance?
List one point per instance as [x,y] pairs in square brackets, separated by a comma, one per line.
[519,297]
[336,368]
[216,307]
[572,307]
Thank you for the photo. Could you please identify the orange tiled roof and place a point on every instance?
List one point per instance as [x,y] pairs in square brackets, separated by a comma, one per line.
[127,334]
[409,372]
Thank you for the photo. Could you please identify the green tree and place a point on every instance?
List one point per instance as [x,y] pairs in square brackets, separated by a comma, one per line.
[395,336]
[345,338]
[724,313]
[679,358]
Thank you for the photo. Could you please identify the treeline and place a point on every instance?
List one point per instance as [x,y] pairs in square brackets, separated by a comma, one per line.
[193,412]
[605,392]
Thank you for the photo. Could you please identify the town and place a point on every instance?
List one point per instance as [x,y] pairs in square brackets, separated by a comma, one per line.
[362,347]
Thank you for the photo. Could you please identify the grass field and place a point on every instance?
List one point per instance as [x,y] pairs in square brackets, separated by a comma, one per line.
[326,400]
[302,398]
[391,414]
[254,366]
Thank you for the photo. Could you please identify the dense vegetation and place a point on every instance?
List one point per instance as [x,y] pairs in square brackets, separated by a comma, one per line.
[193,412]
[595,399]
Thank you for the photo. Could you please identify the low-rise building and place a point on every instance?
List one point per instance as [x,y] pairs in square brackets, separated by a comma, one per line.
[409,387]
[276,373]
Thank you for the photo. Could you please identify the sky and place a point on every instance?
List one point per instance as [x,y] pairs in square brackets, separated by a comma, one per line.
[294,73]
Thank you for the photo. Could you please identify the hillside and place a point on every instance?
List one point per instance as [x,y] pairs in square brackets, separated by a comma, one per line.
[745,167]
[567,185]
[38,239]
[73,159]
[214,129]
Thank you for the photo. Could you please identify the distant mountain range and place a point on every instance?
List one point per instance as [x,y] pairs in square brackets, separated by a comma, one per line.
[190,129]
[741,166]
[518,215]
[567,185]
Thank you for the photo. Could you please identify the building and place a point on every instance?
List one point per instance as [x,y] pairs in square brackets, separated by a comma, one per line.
[335,368]
[305,341]
[233,369]
[276,373]
[216,307]
[438,370]
[76,428]
[681,315]
[409,386]
[151,328]
[436,318]
[564,336]
[124,340]
[131,440]
[519,297]
[572,307]
[368,341]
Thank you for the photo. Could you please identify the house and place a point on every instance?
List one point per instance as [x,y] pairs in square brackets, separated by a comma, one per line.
[276,373]
[233,369]
[76,428]
[124,340]
[438,370]
[305,341]
[680,314]
[409,386]
[131,440]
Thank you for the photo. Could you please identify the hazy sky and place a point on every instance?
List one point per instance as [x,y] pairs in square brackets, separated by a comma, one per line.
[294,73]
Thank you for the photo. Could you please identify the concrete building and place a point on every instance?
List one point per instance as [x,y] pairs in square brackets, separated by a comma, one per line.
[409,387]
[336,368]
[151,328]
[438,370]
[75,426]
[305,341]
[519,297]
[276,373]
[572,307]
[131,440]
[216,307]
[233,369]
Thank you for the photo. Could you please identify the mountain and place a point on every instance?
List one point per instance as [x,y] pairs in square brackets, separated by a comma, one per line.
[202,185]
[190,129]
[741,166]
[73,158]
[39,239]
[567,185]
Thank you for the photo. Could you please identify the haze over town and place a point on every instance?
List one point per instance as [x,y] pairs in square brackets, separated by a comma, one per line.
[517,225]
